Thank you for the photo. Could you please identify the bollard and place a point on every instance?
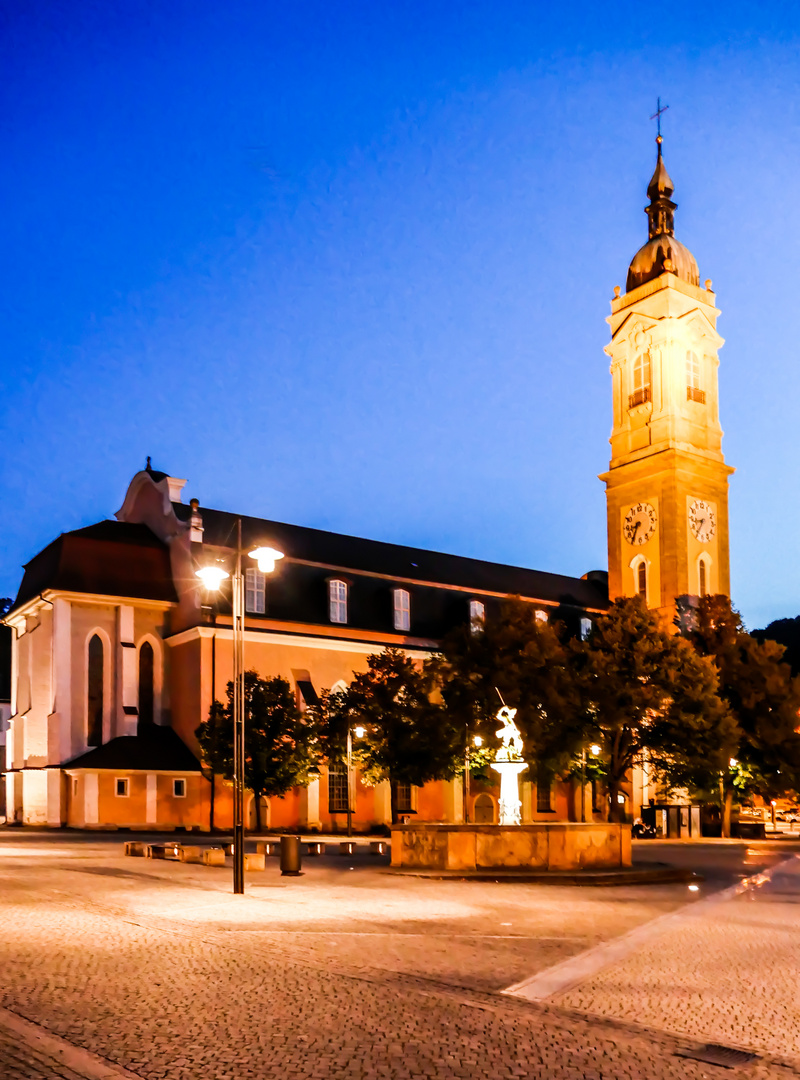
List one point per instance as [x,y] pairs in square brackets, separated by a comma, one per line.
[315,847]
[253,861]
[214,856]
[347,847]
[290,856]
[378,847]
[268,847]
[134,847]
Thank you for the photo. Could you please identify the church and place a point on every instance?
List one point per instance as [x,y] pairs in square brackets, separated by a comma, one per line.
[119,651]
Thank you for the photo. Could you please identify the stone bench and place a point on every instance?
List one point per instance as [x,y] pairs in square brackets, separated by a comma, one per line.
[162,851]
[190,854]
[254,861]
[214,856]
[134,848]
[268,847]
[315,847]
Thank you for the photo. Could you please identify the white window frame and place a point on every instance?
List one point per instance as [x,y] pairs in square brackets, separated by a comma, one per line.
[178,780]
[337,601]
[122,780]
[255,593]
[401,601]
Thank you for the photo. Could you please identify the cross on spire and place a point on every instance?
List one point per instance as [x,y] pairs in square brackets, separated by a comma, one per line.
[657,116]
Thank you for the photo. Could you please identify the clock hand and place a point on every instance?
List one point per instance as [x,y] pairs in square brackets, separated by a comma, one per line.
[635,527]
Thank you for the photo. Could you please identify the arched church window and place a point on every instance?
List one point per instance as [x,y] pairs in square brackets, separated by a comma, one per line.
[641,381]
[146,676]
[94,702]
[694,392]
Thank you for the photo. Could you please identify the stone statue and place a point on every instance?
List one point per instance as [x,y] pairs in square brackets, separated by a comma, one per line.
[509,735]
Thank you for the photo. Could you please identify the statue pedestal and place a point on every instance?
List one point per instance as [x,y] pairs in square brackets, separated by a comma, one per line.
[510,809]
[560,845]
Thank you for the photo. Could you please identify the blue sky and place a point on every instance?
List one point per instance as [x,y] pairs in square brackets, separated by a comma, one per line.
[347,265]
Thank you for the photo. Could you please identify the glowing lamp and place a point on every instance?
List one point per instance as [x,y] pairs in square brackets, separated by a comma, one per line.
[733,763]
[266,557]
[212,576]
[359,732]
[594,749]
[477,740]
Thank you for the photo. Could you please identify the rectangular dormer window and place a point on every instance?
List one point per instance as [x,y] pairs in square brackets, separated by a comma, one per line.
[477,616]
[402,609]
[255,591]
[121,787]
[337,601]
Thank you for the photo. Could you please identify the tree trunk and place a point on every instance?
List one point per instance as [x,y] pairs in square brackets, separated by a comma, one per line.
[727,808]
[393,790]
[257,798]
[615,809]
[211,806]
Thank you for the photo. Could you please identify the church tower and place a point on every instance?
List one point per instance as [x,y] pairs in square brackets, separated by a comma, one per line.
[667,482]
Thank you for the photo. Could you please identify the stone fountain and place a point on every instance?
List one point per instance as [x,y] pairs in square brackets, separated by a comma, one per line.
[539,845]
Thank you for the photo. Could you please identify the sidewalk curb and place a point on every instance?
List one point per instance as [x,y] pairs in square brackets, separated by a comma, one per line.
[63,1053]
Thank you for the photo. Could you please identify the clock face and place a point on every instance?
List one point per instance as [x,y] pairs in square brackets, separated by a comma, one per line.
[702,520]
[640,523]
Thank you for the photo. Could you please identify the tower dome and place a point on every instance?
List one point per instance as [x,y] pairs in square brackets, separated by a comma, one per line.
[662,253]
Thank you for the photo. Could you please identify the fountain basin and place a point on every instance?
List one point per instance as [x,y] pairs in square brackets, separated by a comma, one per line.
[558,845]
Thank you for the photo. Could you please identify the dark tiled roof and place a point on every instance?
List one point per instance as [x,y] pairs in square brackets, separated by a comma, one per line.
[398,561]
[157,749]
[112,558]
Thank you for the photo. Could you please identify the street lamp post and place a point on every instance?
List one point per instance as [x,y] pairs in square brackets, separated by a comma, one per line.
[359,732]
[478,742]
[212,577]
[595,750]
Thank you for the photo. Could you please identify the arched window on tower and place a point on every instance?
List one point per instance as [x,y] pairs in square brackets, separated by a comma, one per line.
[641,381]
[95,692]
[703,575]
[639,567]
[694,392]
[146,685]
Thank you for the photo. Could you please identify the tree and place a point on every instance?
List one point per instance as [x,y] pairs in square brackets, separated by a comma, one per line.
[761,693]
[279,738]
[650,700]
[408,738]
[786,632]
[518,659]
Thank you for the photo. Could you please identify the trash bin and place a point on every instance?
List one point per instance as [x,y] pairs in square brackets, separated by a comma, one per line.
[290,855]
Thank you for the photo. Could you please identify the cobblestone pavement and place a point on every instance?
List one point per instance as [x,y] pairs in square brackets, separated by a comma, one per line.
[156,969]
[730,975]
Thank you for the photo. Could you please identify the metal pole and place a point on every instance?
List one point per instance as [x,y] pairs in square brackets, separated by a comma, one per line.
[349,768]
[583,783]
[238,719]
[466,778]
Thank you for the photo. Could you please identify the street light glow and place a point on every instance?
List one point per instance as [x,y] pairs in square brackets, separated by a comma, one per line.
[594,749]
[266,557]
[212,576]
[359,732]
[477,740]
[733,762]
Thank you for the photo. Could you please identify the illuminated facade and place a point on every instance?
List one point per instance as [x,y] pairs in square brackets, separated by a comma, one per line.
[118,653]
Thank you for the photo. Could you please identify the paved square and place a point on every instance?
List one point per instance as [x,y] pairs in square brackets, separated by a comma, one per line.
[155,968]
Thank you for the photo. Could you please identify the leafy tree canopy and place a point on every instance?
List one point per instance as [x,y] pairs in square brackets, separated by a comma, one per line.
[522,660]
[280,740]
[649,699]
[408,738]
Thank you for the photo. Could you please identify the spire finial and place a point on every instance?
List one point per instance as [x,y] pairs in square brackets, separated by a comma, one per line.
[147,466]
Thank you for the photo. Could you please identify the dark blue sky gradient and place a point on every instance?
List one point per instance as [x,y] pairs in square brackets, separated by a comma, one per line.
[347,265]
